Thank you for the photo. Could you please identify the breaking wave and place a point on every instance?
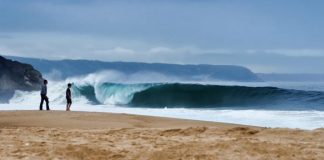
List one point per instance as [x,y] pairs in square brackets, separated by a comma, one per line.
[197,95]
[115,88]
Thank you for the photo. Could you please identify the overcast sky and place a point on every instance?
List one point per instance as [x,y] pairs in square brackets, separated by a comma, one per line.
[263,35]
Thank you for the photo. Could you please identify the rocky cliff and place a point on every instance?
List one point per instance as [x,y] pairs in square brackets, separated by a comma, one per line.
[17,76]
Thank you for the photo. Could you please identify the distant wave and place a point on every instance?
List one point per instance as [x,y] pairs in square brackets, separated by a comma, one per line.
[198,95]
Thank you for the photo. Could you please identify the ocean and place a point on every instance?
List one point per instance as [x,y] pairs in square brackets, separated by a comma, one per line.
[267,104]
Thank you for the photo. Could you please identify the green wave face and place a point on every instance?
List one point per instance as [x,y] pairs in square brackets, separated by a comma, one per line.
[199,96]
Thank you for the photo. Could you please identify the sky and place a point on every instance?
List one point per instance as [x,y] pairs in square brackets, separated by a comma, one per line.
[266,36]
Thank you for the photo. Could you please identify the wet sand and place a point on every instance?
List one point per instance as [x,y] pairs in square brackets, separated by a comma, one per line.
[85,135]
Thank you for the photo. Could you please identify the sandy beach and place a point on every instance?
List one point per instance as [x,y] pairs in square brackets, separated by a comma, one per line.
[85,135]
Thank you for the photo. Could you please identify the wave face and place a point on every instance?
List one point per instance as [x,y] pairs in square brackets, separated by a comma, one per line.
[159,95]
[113,93]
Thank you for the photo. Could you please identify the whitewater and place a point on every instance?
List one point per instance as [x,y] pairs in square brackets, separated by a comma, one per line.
[290,105]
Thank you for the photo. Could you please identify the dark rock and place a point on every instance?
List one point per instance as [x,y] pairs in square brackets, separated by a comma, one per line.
[17,76]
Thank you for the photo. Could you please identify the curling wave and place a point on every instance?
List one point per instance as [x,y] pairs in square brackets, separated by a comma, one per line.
[198,95]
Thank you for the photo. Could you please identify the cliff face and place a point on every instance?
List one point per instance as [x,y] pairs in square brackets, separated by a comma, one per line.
[17,76]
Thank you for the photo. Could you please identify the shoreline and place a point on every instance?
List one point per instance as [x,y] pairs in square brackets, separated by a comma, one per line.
[98,135]
[102,120]
[306,120]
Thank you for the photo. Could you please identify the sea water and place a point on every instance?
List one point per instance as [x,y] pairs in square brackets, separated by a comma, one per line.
[267,104]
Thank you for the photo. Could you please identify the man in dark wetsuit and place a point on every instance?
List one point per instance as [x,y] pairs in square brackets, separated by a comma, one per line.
[68,97]
[44,96]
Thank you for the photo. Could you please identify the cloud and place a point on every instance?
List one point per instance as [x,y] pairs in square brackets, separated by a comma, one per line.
[299,52]
[55,45]
[189,50]
[290,52]
[160,50]
[7,51]
[121,51]
[255,33]
[5,36]
[206,24]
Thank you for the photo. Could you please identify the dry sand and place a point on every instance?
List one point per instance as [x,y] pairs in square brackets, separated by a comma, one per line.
[84,135]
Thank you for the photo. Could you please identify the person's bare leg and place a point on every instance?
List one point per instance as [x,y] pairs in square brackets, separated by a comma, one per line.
[67,107]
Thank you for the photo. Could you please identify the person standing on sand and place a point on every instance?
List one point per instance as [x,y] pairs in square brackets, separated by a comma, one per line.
[68,97]
[44,96]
